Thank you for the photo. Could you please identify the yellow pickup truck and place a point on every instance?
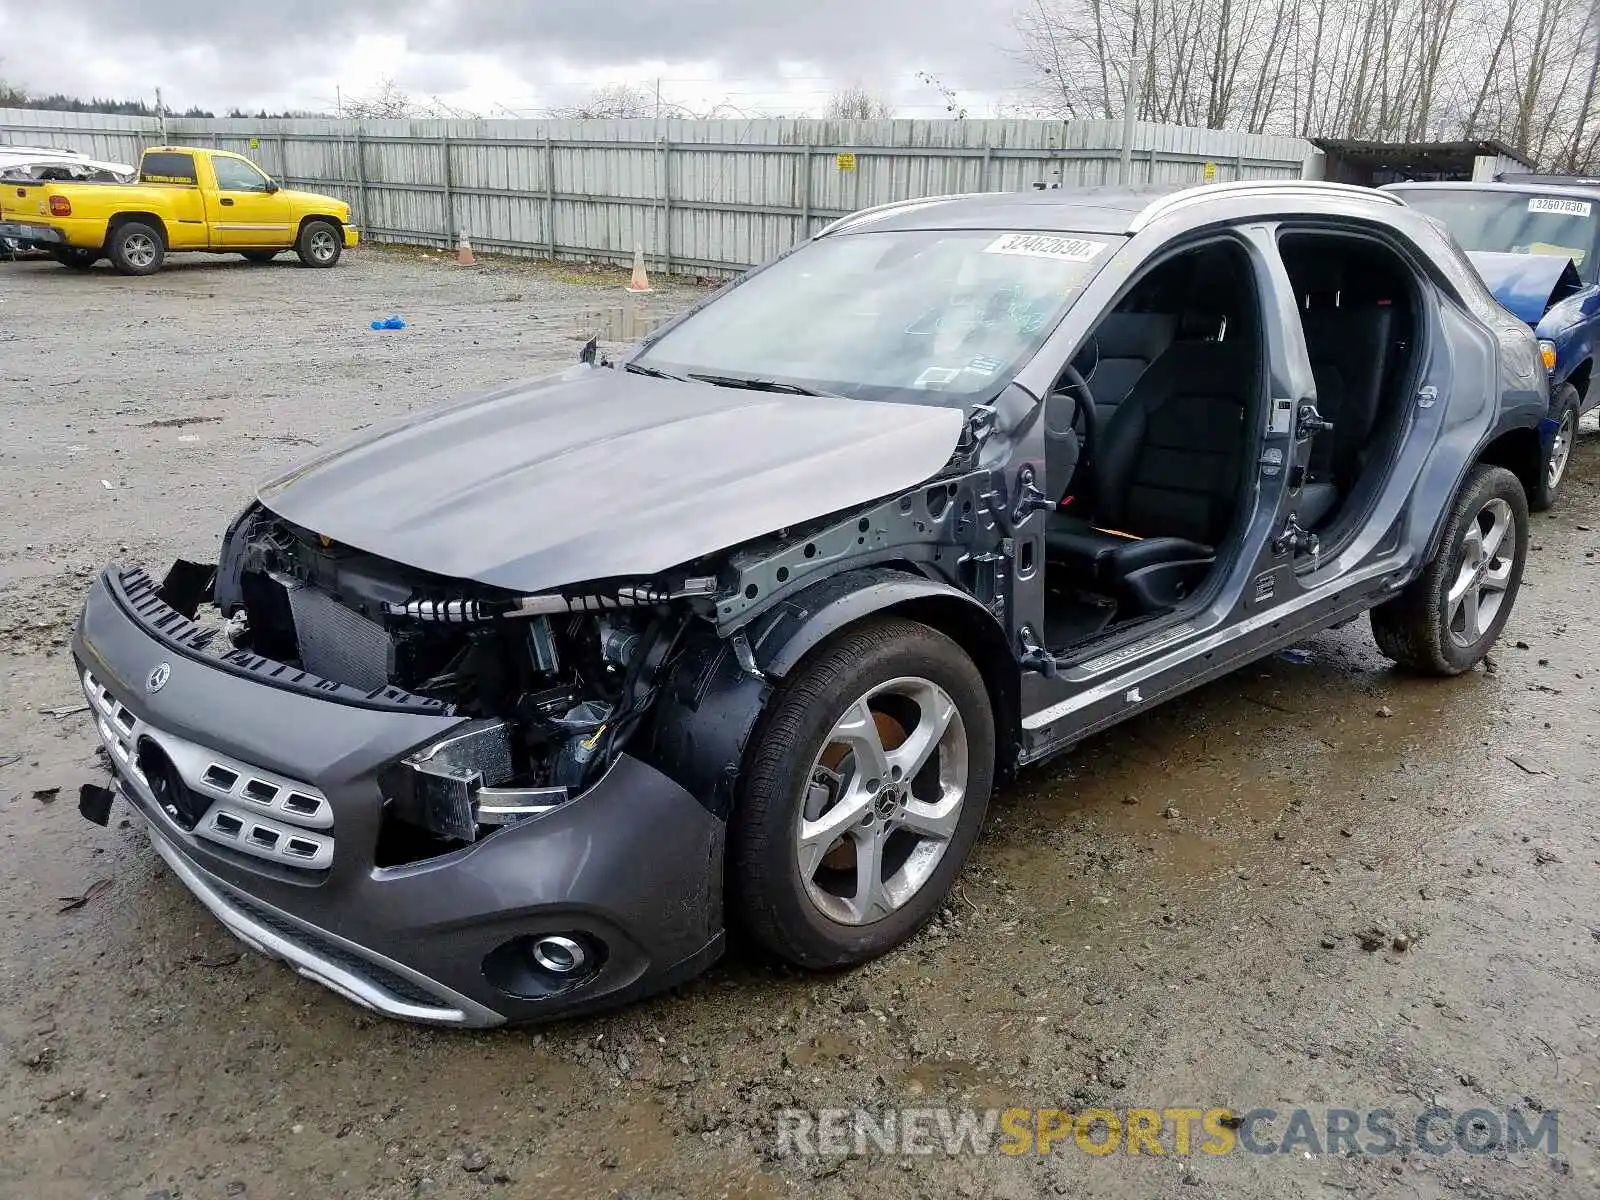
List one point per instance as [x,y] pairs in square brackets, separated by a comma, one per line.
[185,199]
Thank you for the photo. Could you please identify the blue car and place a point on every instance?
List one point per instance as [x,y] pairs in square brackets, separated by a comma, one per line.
[1535,245]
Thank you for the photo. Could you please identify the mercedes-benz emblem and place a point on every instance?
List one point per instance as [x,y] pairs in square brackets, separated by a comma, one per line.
[157,679]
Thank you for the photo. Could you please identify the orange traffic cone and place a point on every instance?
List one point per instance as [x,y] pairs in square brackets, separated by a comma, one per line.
[464,250]
[640,281]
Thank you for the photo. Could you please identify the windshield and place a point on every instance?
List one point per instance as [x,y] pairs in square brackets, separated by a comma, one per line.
[1515,222]
[929,316]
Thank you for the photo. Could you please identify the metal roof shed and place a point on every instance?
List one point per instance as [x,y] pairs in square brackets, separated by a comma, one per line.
[1371,163]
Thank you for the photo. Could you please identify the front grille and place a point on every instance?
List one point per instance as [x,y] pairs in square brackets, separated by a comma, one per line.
[338,642]
[139,596]
[250,810]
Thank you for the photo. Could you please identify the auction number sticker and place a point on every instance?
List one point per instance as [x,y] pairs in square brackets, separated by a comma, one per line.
[1044,245]
[1565,208]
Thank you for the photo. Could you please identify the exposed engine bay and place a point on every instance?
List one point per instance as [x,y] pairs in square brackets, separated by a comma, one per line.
[556,685]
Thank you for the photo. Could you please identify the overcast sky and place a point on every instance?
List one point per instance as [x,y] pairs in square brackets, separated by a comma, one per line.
[763,56]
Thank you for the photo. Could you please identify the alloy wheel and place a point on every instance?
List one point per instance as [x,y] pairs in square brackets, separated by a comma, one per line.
[1488,553]
[1561,449]
[882,800]
[322,245]
[139,250]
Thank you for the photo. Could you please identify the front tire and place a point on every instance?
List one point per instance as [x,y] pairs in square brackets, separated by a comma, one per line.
[1446,620]
[1564,406]
[864,790]
[136,249]
[320,244]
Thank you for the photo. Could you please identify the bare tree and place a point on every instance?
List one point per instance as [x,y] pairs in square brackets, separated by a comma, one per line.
[1524,71]
[952,99]
[614,101]
[856,103]
[388,99]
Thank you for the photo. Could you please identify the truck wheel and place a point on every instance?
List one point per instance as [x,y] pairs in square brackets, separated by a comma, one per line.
[75,258]
[865,787]
[259,256]
[1446,619]
[320,244]
[136,249]
[1564,408]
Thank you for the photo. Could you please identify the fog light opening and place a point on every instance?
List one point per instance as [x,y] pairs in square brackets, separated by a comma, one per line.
[537,965]
[560,955]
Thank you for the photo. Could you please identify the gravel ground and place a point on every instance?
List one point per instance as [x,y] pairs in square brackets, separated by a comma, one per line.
[1318,883]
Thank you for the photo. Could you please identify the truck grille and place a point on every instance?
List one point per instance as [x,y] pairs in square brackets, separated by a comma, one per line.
[245,808]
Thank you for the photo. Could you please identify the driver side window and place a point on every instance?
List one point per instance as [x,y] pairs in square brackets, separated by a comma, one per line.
[236,175]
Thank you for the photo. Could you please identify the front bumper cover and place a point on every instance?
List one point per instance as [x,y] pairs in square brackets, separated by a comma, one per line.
[634,864]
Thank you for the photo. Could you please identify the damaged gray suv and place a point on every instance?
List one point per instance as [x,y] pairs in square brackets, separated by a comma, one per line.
[504,712]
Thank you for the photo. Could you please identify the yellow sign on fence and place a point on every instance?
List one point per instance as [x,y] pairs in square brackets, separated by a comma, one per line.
[847,162]
[1211,172]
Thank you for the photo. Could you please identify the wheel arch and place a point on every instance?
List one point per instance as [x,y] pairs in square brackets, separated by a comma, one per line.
[329,218]
[807,620]
[147,218]
[715,698]
[1519,449]
[1580,377]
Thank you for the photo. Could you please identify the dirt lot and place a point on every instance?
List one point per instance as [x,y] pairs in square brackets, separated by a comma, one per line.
[1173,916]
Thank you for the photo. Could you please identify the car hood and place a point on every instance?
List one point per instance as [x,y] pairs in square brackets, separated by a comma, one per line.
[313,199]
[1525,283]
[600,473]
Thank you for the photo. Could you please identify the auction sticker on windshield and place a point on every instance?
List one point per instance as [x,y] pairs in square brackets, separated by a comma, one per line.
[1554,204]
[1044,245]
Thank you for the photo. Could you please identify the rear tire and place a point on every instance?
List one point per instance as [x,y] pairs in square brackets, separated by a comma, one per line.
[135,248]
[320,244]
[1446,620]
[76,259]
[850,828]
[259,257]
[1564,405]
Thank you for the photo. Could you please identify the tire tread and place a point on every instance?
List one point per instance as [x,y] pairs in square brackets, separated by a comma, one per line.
[1410,629]
[765,805]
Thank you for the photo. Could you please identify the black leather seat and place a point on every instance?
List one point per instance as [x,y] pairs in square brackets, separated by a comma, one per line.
[1348,346]
[1168,473]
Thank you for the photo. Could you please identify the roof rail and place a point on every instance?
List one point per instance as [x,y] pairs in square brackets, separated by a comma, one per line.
[878,211]
[1163,205]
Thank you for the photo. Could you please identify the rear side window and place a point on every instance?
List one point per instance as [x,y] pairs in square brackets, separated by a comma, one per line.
[167,168]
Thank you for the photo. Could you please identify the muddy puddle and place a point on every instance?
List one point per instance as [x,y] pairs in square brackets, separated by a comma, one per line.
[627,322]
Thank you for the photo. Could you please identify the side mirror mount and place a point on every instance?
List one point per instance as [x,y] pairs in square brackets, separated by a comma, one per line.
[272,186]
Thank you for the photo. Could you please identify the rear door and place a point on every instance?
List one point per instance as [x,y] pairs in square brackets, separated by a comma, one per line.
[251,211]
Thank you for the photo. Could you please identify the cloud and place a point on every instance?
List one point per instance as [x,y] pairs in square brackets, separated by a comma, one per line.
[294,53]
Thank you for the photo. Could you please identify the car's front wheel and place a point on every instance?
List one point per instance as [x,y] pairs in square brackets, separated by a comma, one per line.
[1564,405]
[1446,619]
[320,244]
[864,790]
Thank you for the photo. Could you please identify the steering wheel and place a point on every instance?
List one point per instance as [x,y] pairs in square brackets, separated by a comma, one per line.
[1082,413]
